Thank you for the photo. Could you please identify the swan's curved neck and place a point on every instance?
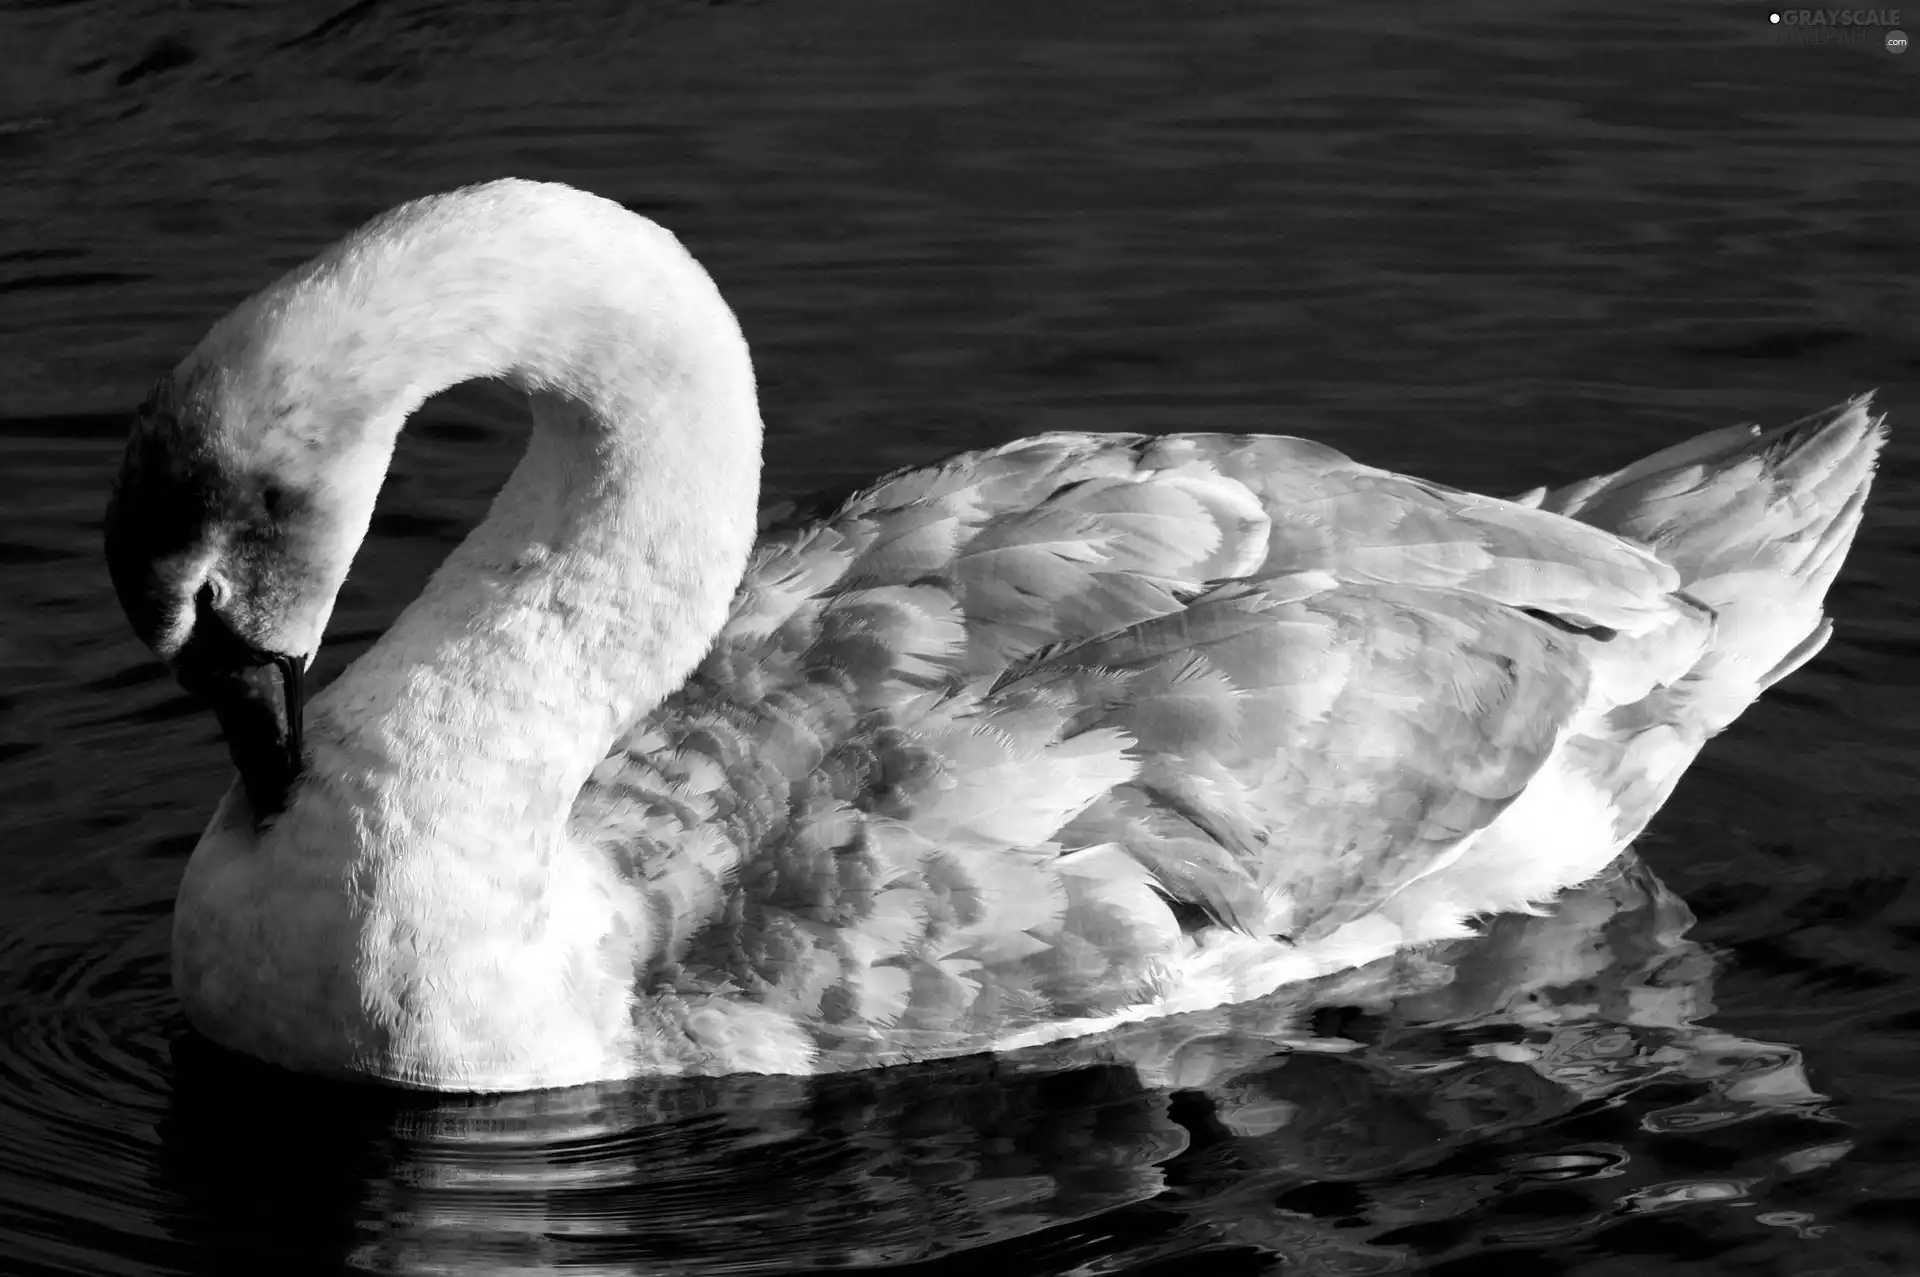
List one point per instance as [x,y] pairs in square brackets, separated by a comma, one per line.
[608,560]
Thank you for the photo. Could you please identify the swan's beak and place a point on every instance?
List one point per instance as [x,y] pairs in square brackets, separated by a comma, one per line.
[257,697]
[218,584]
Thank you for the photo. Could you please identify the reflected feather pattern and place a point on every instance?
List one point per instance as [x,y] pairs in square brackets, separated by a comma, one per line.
[985,746]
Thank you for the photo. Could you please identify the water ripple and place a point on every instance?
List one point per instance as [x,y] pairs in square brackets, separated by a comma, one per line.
[1456,1088]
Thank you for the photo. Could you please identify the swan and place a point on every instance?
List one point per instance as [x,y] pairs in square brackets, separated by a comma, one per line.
[1023,746]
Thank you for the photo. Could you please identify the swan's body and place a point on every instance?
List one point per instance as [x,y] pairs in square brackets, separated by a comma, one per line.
[1077,731]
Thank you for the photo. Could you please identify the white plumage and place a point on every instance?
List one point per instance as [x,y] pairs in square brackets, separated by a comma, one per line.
[1038,741]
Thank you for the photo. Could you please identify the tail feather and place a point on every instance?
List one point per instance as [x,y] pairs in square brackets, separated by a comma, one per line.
[1758,524]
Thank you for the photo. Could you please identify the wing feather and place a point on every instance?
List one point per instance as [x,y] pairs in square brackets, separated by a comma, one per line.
[981,745]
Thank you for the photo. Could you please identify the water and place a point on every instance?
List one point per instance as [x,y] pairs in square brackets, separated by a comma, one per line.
[1497,244]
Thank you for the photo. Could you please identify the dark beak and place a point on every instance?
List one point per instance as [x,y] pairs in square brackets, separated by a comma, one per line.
[257,698]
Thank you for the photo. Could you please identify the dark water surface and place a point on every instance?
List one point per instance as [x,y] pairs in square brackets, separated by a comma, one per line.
[1497,244]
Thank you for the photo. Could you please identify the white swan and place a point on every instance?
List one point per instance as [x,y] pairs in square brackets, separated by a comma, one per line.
[1041,740]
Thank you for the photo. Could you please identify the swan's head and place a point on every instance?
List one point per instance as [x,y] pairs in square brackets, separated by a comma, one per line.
[251,473]
[232,524]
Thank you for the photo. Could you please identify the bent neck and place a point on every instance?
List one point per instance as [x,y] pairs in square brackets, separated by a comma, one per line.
[608,561]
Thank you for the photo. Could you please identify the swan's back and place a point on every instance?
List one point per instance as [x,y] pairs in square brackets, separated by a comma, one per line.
[1042,734]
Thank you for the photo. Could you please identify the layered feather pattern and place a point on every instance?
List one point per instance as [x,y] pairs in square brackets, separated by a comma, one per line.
[1012,739]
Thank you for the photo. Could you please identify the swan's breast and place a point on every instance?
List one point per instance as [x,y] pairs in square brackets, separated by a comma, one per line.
[259,954]
[425,970]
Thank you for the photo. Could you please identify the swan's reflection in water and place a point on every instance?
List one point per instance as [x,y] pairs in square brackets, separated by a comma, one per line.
[1422,1108]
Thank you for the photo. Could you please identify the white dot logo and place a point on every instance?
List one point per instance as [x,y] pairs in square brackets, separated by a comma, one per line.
[1774,18]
